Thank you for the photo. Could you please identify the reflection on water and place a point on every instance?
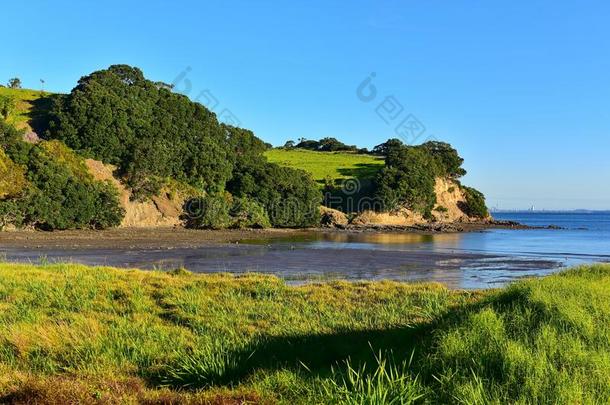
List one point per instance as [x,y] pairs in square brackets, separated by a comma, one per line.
[459,260]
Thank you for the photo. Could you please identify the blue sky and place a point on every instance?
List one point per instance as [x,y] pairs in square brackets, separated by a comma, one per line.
[521,89]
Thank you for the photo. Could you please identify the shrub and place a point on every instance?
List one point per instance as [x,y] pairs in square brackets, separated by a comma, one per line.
[60,199]
[11,213]
[209,212]
[474,206]
[7,106]
[12,177]
[441,209]
[8,135]
[247,213]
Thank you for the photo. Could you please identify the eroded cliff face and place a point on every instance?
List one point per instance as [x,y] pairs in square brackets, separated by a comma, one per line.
[449,199]
[160,211]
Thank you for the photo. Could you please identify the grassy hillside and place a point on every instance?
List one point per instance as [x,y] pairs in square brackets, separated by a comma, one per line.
[31,107]
[334,165]
[70,333]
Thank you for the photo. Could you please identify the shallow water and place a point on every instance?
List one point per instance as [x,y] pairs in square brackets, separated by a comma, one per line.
[462,260]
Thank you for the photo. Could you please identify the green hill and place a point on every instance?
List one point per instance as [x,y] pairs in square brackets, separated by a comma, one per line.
[30,107]
[328,165]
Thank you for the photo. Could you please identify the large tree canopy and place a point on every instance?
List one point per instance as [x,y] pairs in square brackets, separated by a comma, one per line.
[119,117]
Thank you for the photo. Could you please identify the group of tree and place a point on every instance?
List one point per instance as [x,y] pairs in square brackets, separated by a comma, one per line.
[324,145]
[409,177]
[153,134]
[14,83]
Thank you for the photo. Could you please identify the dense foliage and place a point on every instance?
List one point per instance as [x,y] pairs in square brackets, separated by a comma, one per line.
[7,106]
[409,177]
[448,161]
[219,211]
[290,196]
[474,205]
[152,134]
[408,180]
[57,192]
[119,117]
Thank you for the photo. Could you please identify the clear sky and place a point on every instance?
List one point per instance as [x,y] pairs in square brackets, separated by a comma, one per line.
[520,88]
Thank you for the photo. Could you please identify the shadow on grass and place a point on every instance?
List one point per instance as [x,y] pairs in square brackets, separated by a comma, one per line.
[38,116]
[317,355]
[321,354]
[361,170]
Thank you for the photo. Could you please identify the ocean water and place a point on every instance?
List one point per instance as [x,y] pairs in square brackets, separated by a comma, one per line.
[486,259]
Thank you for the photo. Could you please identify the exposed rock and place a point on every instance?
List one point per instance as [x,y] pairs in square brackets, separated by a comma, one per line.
[160,211]
[449,197]
[332,218]
[31,137]
[401,218]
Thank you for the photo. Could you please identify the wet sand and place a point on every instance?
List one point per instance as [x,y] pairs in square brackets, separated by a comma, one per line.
[147,238]
[141,238]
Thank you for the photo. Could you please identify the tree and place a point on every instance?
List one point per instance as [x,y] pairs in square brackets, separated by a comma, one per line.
[289,144]
[308,144]
[14,83]
[408,180]
[118,116]
[387,147]
[448,159]
[474,206]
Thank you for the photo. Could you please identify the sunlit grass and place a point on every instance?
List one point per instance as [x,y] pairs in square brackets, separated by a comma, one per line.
[336,166]
[31,106]
[71,333]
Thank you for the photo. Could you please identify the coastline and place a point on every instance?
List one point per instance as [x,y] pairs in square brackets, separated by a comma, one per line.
[179,237]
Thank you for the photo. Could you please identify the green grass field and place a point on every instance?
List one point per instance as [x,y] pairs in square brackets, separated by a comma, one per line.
[333,165]
[76,334]
[31,108]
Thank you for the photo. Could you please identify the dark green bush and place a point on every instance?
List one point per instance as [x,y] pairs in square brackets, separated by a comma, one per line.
[247,213]
[11,213]
[209,212]
[58,191]
[475,203]
[7,105]
[59,199]
[408,180]
[325,145]
[447,158]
